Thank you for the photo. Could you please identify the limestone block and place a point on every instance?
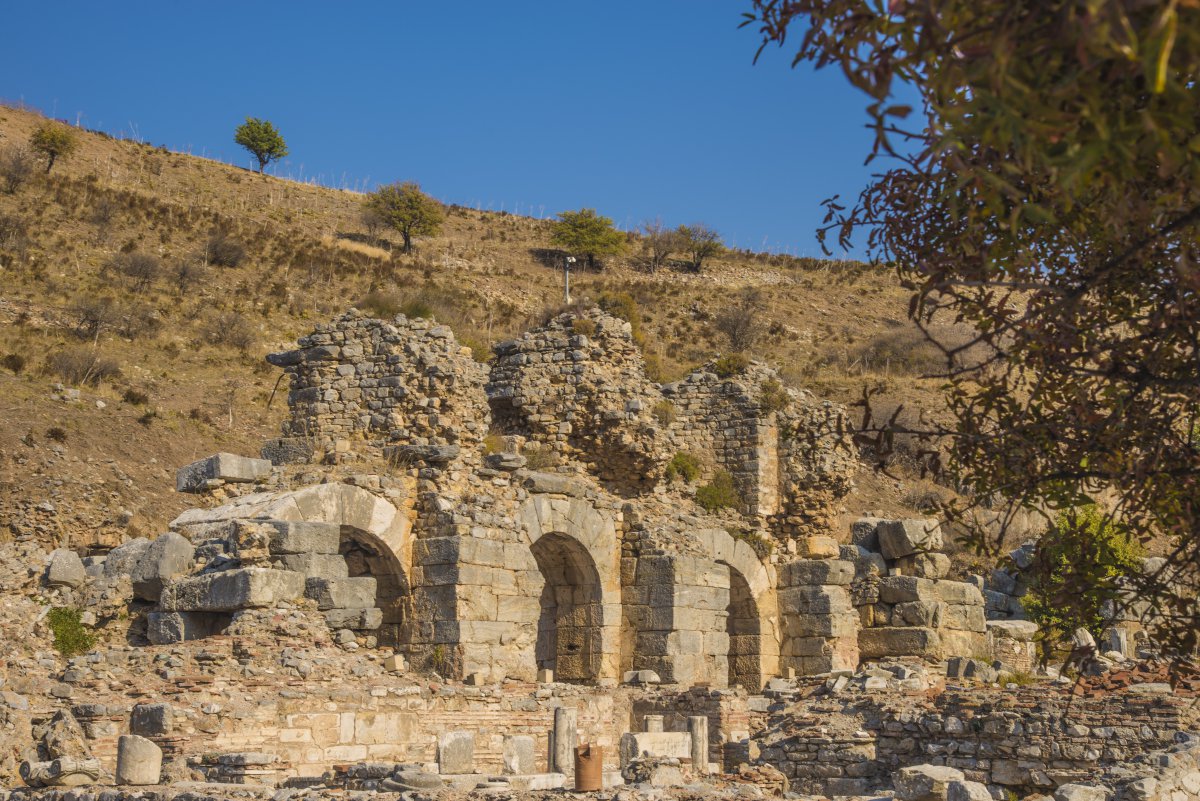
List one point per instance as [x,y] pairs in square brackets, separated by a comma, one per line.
[357,619]
[964,618]
[288,537]
[863,533]
[817,548]
[167,628]
[669,744]
[231,590]
[139,761]
[920,613]
[967,791]
[456,752]
[151,720]
[902,589]
[930,565]
[816,572]
[342,593]
[908,641]
[124,558]
[167,557]
[959,592]
[820,624]
[814,600]
[316,565]
[65,569]
[222,466]
[1081,792]
[250,542]
[925,782]
[899,538]
[519,755]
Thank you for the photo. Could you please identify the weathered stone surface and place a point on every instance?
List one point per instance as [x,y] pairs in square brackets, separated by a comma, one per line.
[151,720]
[139,760]
[297,537]
[899,538]
[816,572]
[166,628]
[231,590]
[968,791]
[456,752]
[227,467]
[342,593]
[65,569]
[670,744]
[891,641]
[357,619]
[167,557]
[520,754]
[122,560]
[925,782]
[316,565]
[1081,792]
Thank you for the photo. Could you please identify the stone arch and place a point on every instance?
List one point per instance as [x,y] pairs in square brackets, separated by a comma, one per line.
[376,536]
[578,555]
[753,625]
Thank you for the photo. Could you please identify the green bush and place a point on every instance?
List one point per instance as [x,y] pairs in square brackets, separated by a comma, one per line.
[664,413]
[685,466]
[383,305]
[1079,564]
[731,365]
[720,493]
[774,397]
[71,637]
[622,304]
[417,307]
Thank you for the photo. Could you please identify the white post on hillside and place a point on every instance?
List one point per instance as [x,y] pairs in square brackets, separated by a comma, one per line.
[567,262]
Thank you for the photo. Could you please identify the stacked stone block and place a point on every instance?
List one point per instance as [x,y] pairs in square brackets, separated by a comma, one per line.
[820,625]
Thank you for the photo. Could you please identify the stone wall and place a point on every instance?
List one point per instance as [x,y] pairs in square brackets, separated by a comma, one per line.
[1028,740]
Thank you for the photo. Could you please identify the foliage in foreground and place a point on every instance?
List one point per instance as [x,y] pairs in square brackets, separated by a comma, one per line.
[1048,196]
[71,637]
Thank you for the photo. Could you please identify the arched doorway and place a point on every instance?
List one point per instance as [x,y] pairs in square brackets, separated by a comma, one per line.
[745,634]
[569,637]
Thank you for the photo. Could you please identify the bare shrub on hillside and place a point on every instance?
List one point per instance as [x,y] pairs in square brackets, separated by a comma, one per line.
[187,273]
[658,243]
[222,251]
[230,328]
[14,238]
[93,315]
[81,366]
[742,323]
[139,320]
[16,167]
[143,268]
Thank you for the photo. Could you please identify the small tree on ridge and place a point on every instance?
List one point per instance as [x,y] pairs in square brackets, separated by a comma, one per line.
[586,233]
[406,208]
[54,141]
[263,141]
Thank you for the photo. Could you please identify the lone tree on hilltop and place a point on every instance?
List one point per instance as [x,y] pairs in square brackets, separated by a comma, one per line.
[701,243]
[54,141]
[1047,193]
[658,243]
[588,234]
[263,141]
[406,208]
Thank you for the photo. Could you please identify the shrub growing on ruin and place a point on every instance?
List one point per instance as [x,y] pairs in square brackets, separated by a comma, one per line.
[623,305]
[383,305]
[1078,570]
[741,325]
[683,466]
[773,396]
[730,365]
[71,637]
[720,493]
[664,413]
[584,326]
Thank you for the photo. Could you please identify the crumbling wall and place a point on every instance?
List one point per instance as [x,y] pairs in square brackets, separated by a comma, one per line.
[361,383]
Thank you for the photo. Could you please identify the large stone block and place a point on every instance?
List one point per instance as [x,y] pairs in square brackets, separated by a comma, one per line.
[302,538]
[231,590]
[899,538]
[357,619]
[964,618]
[316,565]
[863,532]
[139,761]
[930,614]
[925,782]
[122,560]
[959,592]
[930,565]
[456,752]
[669,744]
[65,569]
[815,572]
[520,755]
[167,628]
[814,600]
[151,720]
[220,467]
[167,557]
[345,593]
[903,589]
[893,641]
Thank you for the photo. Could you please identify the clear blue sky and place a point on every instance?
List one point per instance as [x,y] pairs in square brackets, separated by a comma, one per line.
[639,108]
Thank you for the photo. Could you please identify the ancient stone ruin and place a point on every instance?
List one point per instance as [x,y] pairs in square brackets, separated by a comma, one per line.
[443,569]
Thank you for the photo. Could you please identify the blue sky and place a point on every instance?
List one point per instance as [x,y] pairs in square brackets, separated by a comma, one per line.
[640,109]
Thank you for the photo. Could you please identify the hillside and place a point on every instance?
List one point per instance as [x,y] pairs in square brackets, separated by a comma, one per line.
[168,360]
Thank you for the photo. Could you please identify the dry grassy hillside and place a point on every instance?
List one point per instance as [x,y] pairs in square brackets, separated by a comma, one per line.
[166,352]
